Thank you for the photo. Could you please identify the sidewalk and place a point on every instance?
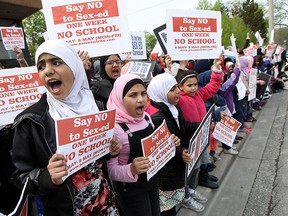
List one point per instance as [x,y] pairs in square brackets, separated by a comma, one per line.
[216,203]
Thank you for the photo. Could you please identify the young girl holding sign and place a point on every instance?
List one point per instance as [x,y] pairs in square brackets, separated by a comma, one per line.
[164,94]
[85,192]
[136,195]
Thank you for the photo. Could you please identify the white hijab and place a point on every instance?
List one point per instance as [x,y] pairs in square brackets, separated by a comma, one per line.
[80,100]
[158,89]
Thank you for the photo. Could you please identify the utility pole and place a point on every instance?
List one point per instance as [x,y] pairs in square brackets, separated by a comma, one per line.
[271,16]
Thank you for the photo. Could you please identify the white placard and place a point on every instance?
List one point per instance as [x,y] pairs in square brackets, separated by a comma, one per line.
[159,148]
[259,38]
[84,139]
[99,27]
[241,88]
[225,131]
[138,45]
[193,34]
[252,84]
[11,37]
[19,89]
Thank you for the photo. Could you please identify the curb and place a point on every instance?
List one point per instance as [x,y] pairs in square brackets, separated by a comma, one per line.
[222,169]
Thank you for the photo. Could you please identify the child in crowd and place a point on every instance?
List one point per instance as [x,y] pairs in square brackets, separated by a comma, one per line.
[226,90]
[34,146]
[220,103]
[246,105]
[191,101]
[164,94]
[136,195]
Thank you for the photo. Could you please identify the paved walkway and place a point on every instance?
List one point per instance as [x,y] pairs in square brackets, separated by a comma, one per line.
[237,173]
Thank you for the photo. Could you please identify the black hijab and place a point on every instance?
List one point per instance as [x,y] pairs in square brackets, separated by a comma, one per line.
[103,72]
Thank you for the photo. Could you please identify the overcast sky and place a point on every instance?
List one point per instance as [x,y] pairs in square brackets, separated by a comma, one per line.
[150,14]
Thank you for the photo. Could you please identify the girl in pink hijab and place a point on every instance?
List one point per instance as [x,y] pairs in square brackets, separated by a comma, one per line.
[135,195]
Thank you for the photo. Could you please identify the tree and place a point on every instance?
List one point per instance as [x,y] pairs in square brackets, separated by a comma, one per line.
[236,26]
[34,26]
[253,16]
[204,5]
[280,13]
[231,24]
[150,41]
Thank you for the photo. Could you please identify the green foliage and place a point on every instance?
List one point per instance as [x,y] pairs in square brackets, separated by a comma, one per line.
[150,41]
[281,36]
[253,16]
[218,6]
[34,26]
[236,26]
[230,24]
[204,5]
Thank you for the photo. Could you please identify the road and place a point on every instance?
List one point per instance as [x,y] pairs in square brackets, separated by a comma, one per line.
[254,183]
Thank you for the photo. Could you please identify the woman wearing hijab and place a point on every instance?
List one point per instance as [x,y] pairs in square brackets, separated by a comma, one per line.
[34,147]
[164,94]
[110,70]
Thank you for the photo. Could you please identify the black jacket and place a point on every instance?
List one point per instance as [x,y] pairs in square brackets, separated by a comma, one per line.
[172,175]
[101,90]
[33,145]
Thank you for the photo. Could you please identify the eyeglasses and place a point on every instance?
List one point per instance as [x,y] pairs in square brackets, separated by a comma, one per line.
[118,62]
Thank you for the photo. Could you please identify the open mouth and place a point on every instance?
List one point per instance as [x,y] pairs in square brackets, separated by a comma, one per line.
[54,85]
[140,109]
[115,71]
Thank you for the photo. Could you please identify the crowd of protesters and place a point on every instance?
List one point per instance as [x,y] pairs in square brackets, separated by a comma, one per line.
[181,92]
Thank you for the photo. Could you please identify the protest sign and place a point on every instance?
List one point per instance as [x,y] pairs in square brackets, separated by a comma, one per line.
[270,50]
[262,88]
[228,53]
[99,27]
[277,54]
[84,139]
[11,37]
[193,34]
[234,48]
[21,208]
[252,84]
[225,131]
[19,89]
[141,68]
[251,50]
[199,141]
[159,148]
[259,38]
[161,36]
[138,45]
[241,88]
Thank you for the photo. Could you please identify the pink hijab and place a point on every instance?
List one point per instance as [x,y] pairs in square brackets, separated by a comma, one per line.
[115,100]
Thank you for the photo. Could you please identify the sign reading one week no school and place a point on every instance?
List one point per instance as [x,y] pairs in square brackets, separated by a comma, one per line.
[19,89]
[97,26]
[193,34]
[225,131]
[199,142]
[84,139]
[159,148]
[11,37]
